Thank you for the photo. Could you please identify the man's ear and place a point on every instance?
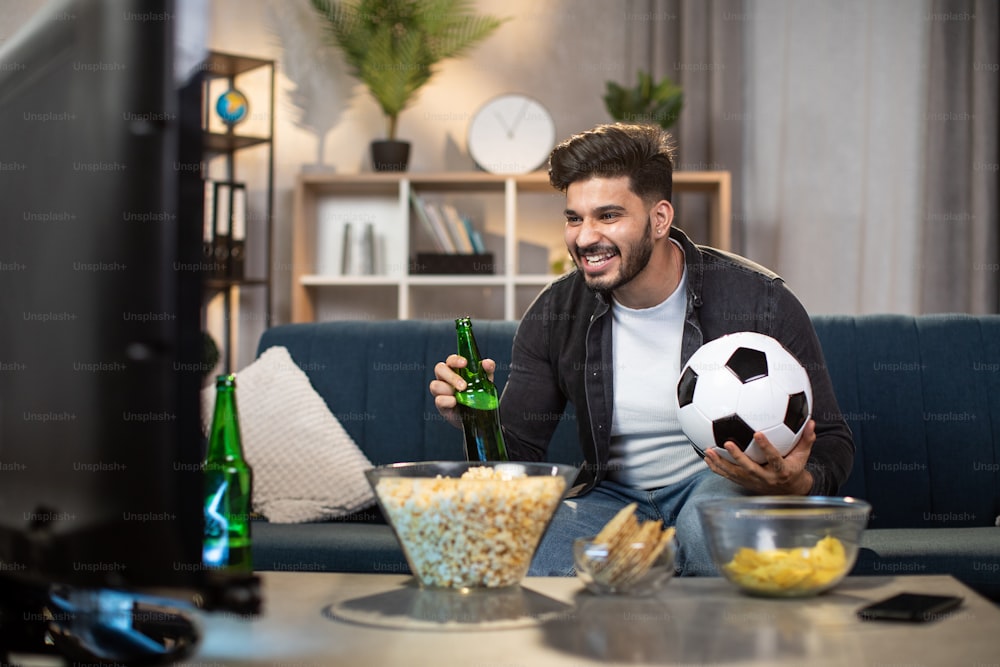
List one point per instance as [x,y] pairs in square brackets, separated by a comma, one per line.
[662,216]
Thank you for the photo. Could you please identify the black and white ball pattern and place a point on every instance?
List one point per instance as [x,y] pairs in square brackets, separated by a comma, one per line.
[739,384]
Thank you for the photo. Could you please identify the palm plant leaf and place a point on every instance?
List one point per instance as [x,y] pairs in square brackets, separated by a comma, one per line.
[451,28]
[392,46]
[646,102]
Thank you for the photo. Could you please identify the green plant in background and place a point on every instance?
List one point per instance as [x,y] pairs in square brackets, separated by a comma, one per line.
[647,102]
[392,46]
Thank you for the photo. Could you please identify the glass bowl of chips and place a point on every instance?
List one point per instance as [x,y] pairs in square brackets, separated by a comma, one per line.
[784,546]
[628,557]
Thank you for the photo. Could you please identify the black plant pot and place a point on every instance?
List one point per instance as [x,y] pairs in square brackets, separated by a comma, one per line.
[390,155]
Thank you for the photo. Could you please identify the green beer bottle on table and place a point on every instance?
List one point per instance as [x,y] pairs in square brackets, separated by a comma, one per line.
[228,487]
[479,404]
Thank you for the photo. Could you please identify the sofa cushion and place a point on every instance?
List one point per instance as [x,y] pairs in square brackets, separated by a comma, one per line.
[305,466]
[971,555]
[327,547]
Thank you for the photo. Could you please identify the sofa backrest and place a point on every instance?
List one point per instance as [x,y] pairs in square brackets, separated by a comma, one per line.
[374,376]
[921,395]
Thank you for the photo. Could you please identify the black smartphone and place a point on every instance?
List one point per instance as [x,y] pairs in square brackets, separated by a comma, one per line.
[913,607]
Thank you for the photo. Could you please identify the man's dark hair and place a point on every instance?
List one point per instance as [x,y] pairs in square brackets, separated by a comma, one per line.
[644,153]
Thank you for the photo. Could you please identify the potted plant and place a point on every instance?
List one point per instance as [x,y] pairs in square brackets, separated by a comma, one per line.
[646,102]
[393,46]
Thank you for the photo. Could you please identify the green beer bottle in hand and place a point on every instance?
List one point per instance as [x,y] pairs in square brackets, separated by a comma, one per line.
[228,487]
[478,404]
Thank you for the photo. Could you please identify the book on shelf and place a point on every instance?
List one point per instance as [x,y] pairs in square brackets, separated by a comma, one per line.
[475,238]
[452,232]
[439,222]
[432,224]
[457,229]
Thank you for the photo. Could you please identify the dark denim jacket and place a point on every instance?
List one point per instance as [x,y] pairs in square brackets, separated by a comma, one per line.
[562,352]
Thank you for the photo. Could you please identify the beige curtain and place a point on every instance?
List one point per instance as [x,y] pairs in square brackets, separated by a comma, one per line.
[699,45]
[961,244]
[862,137]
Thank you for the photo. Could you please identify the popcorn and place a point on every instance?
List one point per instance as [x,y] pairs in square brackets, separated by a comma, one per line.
[479,530]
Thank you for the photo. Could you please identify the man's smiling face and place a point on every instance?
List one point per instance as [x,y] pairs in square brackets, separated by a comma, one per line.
[608,231]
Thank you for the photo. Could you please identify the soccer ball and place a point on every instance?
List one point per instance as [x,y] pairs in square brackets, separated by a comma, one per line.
[739,384]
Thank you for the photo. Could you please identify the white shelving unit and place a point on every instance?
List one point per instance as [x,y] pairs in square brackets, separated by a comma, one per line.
[514,210]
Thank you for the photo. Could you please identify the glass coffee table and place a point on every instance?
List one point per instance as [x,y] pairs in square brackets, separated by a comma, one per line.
[381,619]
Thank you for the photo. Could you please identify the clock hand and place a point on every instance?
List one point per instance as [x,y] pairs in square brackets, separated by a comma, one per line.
[510,133]
[518,119]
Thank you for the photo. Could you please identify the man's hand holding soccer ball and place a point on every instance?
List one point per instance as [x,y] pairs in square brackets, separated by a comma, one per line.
[778,476]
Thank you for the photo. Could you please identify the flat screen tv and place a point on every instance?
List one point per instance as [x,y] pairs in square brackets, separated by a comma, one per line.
[100,337]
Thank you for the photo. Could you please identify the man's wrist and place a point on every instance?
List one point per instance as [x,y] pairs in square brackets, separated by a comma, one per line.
[804,484]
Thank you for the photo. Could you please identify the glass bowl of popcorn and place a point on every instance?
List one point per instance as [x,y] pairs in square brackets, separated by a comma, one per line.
[470,525]
[784,546]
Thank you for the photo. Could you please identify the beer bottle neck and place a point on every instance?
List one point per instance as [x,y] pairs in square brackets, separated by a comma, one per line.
[467,348]
[224,440]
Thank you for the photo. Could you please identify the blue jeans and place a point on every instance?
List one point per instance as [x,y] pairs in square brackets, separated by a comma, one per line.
[675,505]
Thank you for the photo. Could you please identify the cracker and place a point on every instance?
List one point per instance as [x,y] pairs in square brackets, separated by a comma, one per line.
[624,517]
[632,547]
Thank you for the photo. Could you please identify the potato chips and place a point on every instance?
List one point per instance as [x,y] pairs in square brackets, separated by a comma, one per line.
[789,571]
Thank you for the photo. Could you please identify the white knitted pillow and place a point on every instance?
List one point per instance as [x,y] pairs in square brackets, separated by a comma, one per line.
[305,465]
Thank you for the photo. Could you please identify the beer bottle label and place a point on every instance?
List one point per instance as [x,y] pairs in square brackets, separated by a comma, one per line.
[215,552]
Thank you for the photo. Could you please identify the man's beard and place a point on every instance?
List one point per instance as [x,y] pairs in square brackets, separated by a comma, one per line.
[631,262]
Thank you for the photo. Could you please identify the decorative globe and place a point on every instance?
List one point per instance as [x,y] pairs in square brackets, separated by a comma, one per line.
[232,106]
[739,384]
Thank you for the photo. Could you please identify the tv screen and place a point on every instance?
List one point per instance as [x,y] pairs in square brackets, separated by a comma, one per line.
[100,343]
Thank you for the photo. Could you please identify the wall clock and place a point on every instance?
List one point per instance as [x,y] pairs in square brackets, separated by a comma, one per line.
[511,134]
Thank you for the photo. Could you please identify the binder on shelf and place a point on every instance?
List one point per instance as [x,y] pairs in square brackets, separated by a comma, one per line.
[209,210]
[238,235]
[208,227]
[221,229]
[224,234]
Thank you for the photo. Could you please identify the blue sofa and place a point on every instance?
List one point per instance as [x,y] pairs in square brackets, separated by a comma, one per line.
[921,394]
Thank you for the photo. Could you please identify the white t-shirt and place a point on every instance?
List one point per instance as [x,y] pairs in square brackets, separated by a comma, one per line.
[648,448]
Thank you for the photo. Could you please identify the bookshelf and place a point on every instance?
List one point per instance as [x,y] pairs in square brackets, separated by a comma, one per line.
[519,214]
[238,241]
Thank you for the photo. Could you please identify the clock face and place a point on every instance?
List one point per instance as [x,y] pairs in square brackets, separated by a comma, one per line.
[511,134]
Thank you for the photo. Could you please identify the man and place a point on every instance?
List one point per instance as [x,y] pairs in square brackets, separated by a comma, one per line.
[611,338]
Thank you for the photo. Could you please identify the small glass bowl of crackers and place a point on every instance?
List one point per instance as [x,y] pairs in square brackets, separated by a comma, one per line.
[628,556]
